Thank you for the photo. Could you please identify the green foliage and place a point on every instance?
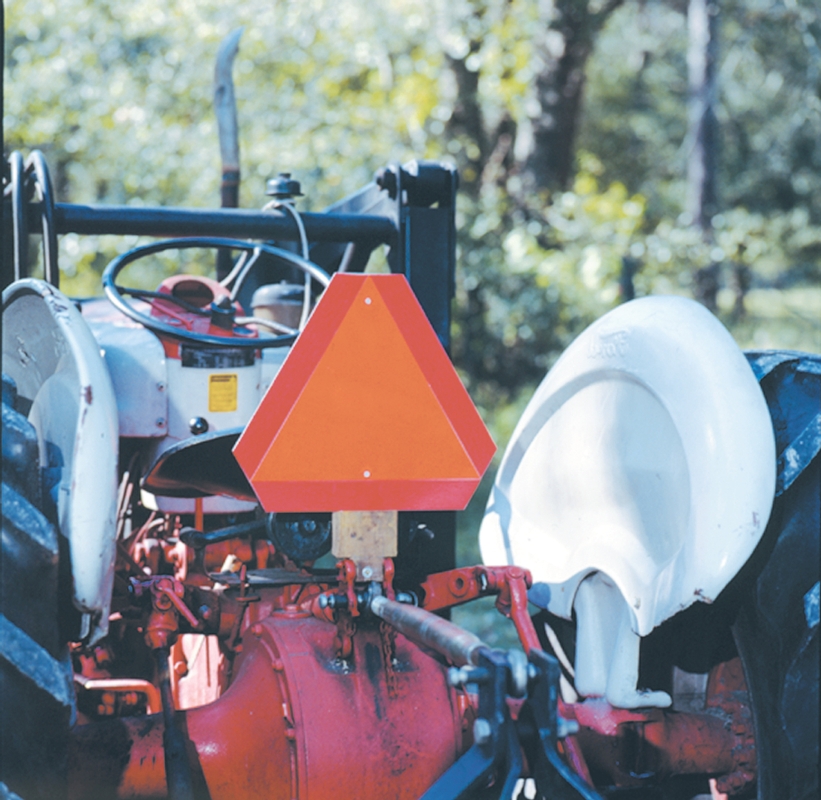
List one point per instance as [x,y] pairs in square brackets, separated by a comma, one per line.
[119,96]
[536,283]
[769,104]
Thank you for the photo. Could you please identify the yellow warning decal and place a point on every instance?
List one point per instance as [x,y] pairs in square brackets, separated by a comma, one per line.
[222,392]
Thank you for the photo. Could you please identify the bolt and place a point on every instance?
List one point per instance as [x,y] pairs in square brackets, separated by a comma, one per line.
[517,666]
[257,629]
[456,677]
[160,422]
[460,676]
[205,612]
[283,187]
[367,572]
[335,601]
[160,386]
[566,727]
[482,731]
[198,425]
[386,179]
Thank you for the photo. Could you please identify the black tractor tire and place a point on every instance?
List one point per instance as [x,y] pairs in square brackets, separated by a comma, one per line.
[36,691]
[777,627]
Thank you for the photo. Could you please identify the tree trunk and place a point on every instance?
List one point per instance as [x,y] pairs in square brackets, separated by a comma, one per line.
[702,161]
[561,53]
[467,124]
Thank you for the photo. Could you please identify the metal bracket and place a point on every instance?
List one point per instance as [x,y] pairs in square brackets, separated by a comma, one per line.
[554,779]
[495,759]
[496,750]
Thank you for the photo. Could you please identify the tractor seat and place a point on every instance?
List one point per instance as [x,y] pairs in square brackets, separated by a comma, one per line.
[638,481]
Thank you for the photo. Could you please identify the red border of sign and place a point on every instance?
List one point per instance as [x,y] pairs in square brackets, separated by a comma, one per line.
[295,374]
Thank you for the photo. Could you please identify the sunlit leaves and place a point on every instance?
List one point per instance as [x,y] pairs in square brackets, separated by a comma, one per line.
[119,96]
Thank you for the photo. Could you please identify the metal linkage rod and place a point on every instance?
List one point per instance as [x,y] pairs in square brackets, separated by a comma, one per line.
[178,777]
[459,646]
[198,539]
[232,222]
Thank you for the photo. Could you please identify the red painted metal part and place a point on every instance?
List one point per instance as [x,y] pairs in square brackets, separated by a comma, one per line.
[626,744]
[367,412]
[291,721]
[454,587]
[457,586]
[600,717]
[199,291]
[662,745]
[347,577]
[167,605]
[727,694]
[512,602]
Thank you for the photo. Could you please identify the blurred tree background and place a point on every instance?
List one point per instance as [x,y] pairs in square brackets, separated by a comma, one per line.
[571,123]
[567,119]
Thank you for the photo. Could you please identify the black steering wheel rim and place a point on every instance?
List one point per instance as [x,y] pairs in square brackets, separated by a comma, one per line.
[116,298]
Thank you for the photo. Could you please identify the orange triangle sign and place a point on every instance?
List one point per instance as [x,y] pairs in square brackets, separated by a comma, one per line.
[367,412]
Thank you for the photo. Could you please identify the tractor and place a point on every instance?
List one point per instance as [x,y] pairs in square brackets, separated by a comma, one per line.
[229,524]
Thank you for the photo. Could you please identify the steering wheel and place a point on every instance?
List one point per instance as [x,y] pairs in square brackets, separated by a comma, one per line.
[116,294]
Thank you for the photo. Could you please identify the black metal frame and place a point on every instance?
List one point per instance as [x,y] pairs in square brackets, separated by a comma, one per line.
[492,766]
[410,208]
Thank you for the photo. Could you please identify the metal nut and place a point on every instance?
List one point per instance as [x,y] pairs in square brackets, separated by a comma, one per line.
[517,666]
[566,727]
[482,731]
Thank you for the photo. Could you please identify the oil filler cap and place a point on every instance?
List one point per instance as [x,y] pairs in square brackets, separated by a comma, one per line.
[222,313]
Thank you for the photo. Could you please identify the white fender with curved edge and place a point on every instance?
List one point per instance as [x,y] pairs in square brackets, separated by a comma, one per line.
[49,351]
[642,469]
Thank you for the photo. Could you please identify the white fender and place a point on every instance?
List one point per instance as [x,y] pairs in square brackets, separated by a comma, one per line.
[644,463]
[50,353]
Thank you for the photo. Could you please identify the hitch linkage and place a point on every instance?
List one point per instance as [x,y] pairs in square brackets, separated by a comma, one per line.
[499,741]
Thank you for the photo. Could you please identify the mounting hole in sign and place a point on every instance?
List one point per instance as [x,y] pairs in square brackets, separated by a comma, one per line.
[367,473]
[367,301]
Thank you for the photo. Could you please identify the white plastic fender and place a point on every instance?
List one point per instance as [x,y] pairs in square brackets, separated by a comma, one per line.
[643,468]
[50,353]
